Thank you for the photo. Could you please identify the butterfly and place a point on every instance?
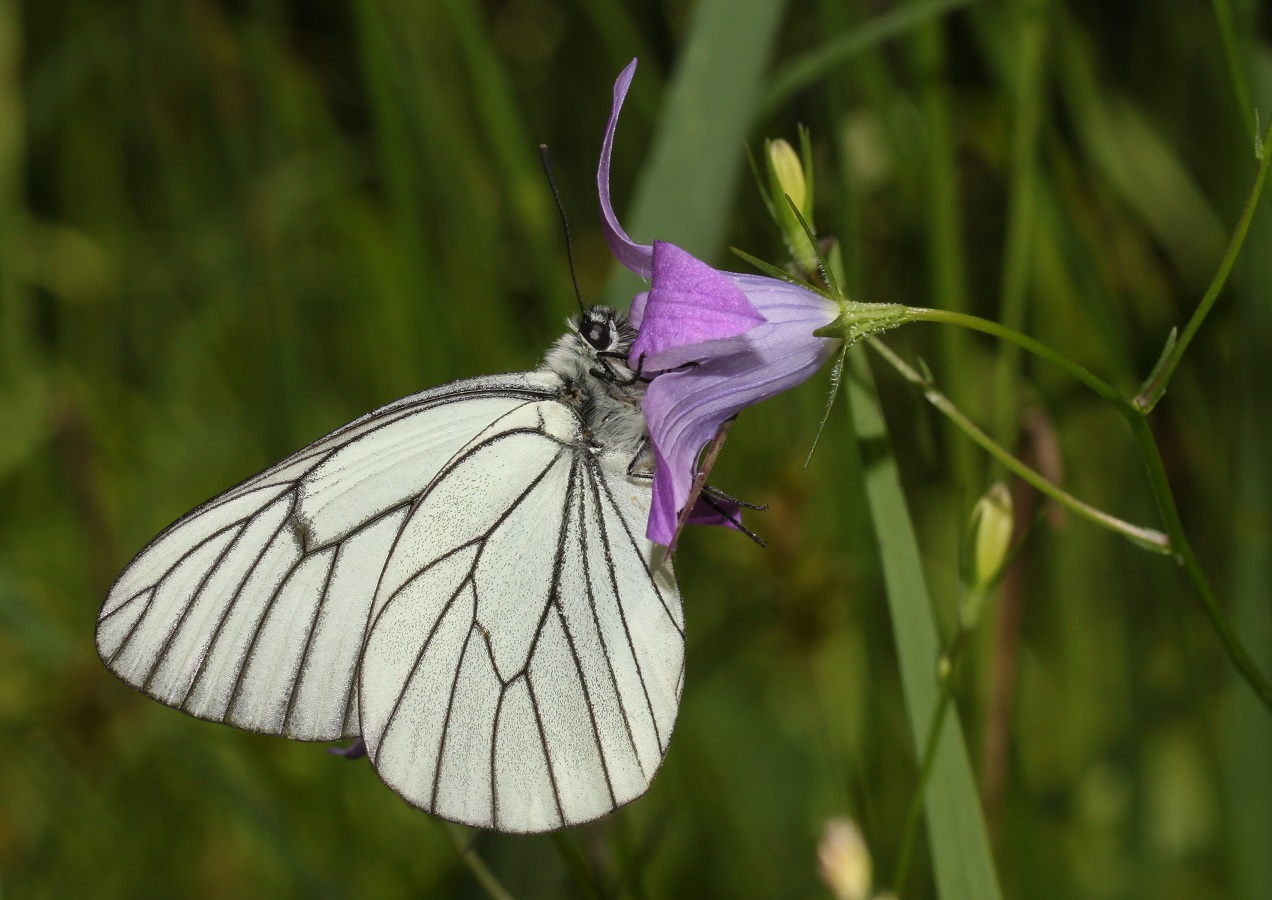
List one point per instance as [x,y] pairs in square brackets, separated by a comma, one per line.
[460,579]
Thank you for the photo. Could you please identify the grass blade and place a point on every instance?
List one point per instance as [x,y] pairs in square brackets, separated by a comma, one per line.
[961,857]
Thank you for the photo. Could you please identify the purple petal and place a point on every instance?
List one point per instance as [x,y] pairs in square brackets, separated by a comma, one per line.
[634,256]
[356,750]
[689,305]
[685,407]
[667,509]
[729,514]
[636,314]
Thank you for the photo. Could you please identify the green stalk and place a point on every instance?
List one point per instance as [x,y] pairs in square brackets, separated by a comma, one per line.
[1036,347]
[1188,561]
[469,857]
[1155,386]
[1148,538]
[1173,541]
[1232,56]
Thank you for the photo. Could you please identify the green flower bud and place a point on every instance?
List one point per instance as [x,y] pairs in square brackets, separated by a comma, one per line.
[787,172]
[790,175]
[991,527]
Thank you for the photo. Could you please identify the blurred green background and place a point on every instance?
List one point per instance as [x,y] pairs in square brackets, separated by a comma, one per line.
[229,226]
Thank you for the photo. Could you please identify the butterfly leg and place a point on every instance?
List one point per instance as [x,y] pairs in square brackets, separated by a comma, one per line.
[641,461]
[712,496]
[606,370]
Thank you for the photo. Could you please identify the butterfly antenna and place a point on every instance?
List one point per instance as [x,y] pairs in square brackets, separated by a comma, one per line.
[565,224]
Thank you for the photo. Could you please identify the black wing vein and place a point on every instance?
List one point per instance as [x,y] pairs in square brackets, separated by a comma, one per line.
[543,742]
[622,615]
[229,608]
[467,579]
[309,639]
[632,542]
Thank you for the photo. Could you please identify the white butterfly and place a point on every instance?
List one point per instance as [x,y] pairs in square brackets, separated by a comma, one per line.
[461,578]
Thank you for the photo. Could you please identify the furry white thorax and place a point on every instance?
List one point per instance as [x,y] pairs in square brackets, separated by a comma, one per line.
[609,401]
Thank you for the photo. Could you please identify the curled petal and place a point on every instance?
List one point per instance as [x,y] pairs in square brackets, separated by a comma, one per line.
[668,503]
[636,257]
[690,307]
[683,408]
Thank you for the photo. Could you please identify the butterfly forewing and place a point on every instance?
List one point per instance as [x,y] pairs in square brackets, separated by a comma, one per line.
[252,609]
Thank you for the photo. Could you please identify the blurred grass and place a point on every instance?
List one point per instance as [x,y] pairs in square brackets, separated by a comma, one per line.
[226,228]
[1246,776]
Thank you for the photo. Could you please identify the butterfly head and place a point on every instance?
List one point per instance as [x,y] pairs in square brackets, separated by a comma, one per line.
[595,348]
[604,330]
[591,358]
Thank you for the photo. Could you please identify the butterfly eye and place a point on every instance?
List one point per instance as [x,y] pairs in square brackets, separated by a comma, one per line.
[597,334]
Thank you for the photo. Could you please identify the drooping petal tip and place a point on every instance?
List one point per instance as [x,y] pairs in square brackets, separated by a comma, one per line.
[635,257]
[665,512]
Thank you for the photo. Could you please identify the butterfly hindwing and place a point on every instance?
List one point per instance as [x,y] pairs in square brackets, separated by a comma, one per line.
[524,670]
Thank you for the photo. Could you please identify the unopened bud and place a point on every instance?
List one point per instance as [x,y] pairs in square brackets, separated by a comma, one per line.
[791,176]
[992,526]
[844,860]
[788,172]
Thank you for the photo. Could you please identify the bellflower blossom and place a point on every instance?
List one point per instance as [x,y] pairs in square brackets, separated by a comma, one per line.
[716,343]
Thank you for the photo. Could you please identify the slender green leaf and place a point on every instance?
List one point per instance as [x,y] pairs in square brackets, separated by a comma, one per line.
[961,855]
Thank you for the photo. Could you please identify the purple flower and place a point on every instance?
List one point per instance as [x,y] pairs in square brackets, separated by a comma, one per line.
[716,342]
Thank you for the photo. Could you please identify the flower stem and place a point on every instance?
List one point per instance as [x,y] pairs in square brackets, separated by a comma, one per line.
[1188,561]
[1172,542]
[464,847]
[1148,538]
[1155,387]
[1105,390]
